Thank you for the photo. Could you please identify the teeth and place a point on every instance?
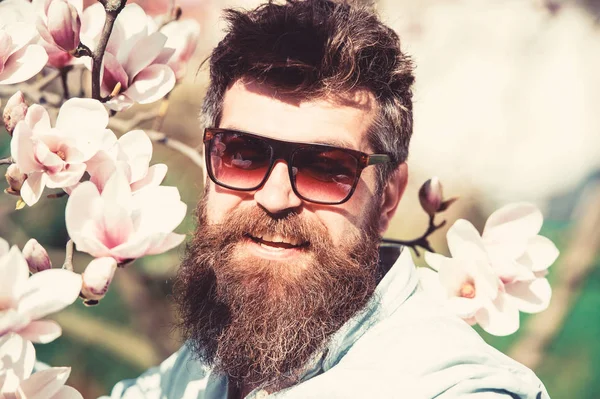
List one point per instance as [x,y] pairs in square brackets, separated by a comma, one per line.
[278,238]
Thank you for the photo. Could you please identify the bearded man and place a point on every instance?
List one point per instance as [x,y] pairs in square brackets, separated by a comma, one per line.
[282,291]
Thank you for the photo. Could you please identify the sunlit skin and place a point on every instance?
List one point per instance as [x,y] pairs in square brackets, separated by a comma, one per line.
[255,108]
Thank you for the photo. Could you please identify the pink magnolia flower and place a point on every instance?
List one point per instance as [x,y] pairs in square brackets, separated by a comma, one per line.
[55,157]
[59,22]
[14,111]
[467,284]
[516,251]
[24,300]
[36,256]
[17,358]
[130,154]
[135,56]
[97,278]
[20,59]
[123,226]
[511,248]
[182,35]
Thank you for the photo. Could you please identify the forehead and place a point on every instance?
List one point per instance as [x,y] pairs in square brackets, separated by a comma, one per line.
[259,109]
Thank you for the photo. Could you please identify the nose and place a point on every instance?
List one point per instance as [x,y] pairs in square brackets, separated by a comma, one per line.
[276,195]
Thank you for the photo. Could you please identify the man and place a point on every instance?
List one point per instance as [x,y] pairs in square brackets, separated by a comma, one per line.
[308,118]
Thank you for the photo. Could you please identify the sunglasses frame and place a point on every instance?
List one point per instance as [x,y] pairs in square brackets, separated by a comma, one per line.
[284,150]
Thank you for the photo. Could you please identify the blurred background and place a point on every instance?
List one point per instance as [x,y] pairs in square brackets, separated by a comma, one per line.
[507,108]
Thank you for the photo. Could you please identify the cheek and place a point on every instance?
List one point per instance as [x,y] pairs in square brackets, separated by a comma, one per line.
[222,202]
[348,219]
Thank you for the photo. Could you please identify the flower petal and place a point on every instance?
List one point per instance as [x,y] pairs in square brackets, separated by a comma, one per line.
[155,176]
[24,64]
[14,272]
[540,254]
[160,209]
[151,84]
[513,222]
[78,112]
[21,148]
[33,186]
[434,260]
[500,317]
[17,354]
[117,192]
[530,296]
[41,332]
[22,33]
[464,241]
[67,177]
[37,118]
[145,51]
[46,383]
[169,242]
[48,292]
[67,392]
[136,149]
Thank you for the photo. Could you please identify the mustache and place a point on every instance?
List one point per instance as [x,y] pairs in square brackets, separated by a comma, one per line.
[256,222]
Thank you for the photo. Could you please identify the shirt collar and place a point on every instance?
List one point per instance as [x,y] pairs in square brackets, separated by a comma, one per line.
[393,290]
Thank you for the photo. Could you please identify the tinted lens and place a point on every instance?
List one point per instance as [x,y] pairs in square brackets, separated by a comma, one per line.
[324,175]
[239,161]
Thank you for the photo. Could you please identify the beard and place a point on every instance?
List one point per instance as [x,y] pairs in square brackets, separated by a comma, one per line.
[260,321]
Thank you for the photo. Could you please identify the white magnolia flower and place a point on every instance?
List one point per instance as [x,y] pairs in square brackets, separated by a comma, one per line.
[17,357]
[55,156]
[24,299]
[118,224]
[511,251]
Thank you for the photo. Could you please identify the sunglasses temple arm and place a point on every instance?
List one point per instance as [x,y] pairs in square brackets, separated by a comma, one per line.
[378,158]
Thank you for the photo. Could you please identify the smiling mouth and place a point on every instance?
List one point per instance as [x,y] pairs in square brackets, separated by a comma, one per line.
[277,241]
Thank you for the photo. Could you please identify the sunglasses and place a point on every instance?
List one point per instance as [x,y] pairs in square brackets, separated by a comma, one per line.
[319,173]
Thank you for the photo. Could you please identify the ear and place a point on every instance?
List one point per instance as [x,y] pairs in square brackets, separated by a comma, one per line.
[392,194]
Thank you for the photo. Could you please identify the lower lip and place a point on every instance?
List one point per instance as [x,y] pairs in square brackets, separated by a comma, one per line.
[275,253]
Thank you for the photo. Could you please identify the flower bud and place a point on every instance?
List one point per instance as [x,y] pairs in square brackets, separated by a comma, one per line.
[36,256]
[15,179]
[431,196]
[97,278]
[14,111]
[64,24]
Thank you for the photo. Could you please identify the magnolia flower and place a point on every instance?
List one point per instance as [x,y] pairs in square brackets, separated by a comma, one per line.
[16,11]
[97,278]
[516,251]
[135,56]
[431,196]
[511,249]
[55,157]
[19,58]
[123,226]
[130,154]
[59,23]
[15,179]
[182,35]
[467,285]
[36,256]
[24,300]
[14,111]
[17,358]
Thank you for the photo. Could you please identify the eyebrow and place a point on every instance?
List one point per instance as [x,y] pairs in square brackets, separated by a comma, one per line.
[335,142]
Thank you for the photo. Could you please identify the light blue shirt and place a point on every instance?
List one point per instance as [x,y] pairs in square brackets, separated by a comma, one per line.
[402,345]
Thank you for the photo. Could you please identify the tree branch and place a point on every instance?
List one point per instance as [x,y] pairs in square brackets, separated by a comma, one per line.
[112,8]
[6,161]
[421,241]
[68,265]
